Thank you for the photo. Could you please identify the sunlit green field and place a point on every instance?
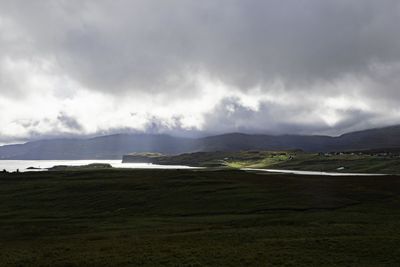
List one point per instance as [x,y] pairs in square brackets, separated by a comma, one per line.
[197,218]
[318,162]
[291,160]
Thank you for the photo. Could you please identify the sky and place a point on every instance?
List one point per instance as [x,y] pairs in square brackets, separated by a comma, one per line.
[190,68]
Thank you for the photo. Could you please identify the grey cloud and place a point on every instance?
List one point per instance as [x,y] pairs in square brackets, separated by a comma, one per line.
[63,120]
[28,123]
[231,116]
[139,45]
[69,122]
[153,47]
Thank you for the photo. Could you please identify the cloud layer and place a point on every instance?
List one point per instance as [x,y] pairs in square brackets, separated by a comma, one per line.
[301,66]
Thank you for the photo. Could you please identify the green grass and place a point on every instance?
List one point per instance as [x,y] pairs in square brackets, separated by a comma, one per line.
[351,163]
[266,161]
[197,218]
[294,160]
[316,162]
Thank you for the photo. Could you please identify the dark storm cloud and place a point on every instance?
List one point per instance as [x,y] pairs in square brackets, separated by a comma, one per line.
[69,122]
[153,45]
[315,49]
[231,116]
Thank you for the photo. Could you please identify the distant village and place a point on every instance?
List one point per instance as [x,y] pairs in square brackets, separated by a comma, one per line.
[370,153]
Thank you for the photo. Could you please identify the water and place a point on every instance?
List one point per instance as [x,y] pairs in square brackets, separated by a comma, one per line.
[22,165]
[314,172]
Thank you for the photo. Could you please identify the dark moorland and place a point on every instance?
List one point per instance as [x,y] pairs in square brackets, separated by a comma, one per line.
[197,218]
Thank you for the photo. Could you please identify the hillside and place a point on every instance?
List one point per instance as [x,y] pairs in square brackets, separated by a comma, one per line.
[115,146]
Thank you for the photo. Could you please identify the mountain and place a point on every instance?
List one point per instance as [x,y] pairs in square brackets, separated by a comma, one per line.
[115,146]
[238,141]
[104,147]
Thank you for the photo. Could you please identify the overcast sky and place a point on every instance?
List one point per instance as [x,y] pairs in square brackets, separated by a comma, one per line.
[191,67]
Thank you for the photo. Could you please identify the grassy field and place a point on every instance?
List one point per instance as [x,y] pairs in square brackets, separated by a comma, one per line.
[350,162]
[342,163]
[197,218]
[292,160]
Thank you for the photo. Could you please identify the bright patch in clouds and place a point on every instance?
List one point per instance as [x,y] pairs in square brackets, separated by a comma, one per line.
[197,67]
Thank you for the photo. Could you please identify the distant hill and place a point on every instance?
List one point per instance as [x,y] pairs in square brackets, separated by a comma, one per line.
[104,147]
[115,146]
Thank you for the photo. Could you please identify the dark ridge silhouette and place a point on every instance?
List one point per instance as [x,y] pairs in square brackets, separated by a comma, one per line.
[115,146]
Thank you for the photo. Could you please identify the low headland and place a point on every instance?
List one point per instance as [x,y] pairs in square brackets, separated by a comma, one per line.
[385,161]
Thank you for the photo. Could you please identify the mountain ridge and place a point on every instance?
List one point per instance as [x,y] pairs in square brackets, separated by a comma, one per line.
[116,145]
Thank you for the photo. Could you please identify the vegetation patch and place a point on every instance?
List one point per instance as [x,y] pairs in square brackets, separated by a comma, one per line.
[116,217]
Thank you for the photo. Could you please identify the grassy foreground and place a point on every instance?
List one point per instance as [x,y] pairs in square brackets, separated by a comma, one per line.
[197,218]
